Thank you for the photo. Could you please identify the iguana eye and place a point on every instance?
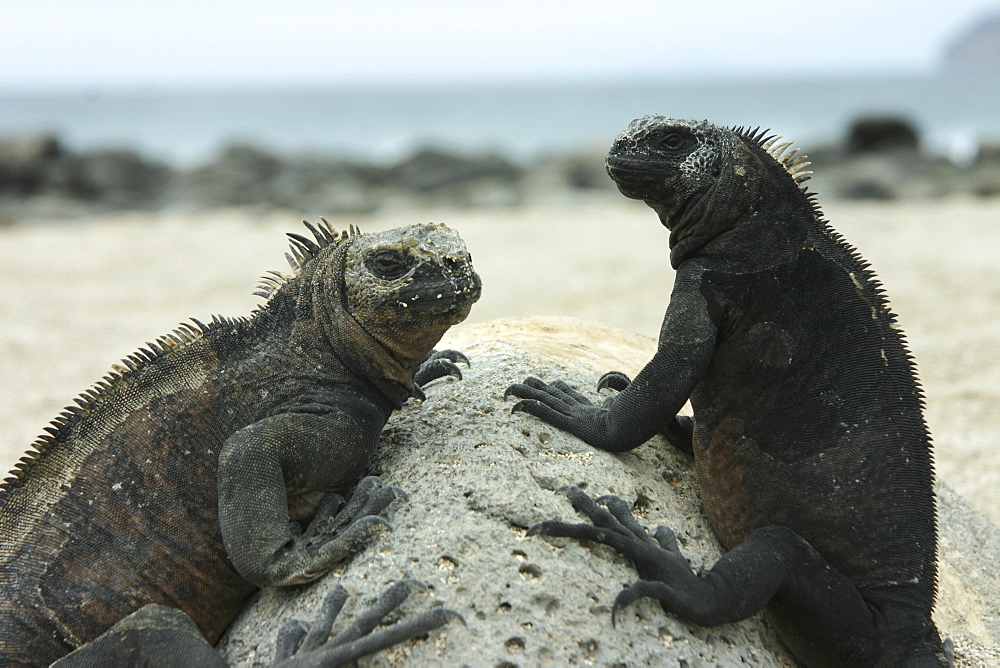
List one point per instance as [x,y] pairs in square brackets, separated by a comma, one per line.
[388,264]
[672,141]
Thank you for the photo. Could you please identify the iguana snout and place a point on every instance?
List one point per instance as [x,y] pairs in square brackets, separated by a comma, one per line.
[446,288]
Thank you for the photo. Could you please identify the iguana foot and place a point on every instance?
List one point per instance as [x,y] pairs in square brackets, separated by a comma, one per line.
[438,364]
[614,525]
[336,532]
[564,408]
[159,636]
[656,557]
[301,644]
[772,561]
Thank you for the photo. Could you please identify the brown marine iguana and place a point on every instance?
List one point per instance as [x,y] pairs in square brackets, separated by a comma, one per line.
[810,449]
[184,477]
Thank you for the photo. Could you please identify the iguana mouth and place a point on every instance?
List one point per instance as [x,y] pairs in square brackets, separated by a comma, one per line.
[635,183]
[634,177]
[632,170]
[453,293]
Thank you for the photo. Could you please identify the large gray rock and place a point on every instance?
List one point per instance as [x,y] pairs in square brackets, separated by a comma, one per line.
[25,161]
[977,49]
[478,476]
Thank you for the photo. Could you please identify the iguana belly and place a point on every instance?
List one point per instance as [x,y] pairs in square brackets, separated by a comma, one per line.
[855,513]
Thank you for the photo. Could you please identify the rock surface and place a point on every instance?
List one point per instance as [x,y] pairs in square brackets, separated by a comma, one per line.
[478,476]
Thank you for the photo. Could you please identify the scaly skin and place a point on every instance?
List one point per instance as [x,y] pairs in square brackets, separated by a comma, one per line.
[186,476]
[810,448]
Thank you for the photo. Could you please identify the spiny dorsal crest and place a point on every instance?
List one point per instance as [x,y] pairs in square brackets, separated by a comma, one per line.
[793,163]
[302,251]
[108,387]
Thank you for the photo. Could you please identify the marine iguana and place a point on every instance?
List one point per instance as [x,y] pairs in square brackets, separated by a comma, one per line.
[207,464]
[810,449]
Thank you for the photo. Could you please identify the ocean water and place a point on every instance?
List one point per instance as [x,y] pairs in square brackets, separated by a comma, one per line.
[187,127]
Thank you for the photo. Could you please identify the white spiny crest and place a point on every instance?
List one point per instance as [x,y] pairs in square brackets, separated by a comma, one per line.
[302,251]
[793,163]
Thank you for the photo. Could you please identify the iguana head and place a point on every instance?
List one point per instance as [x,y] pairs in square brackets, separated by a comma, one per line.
[701,179]
[415,278]
[383,300]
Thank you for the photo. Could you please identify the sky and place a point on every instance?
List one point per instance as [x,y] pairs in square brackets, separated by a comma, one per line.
[58,43]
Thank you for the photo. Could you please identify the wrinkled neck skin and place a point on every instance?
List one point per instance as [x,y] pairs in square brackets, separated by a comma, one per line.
[725,223]
[693,224]
[409,347]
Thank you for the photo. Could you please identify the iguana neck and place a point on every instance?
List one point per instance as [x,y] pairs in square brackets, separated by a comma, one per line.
[409,348]
[367,357]
[702,231]
[689,235]
[693,223]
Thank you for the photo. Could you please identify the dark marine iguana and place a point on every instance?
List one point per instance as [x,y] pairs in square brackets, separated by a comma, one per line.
[811,453]
[207,464]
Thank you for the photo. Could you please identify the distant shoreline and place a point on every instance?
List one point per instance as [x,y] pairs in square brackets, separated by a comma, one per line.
[881,158]
[187,126]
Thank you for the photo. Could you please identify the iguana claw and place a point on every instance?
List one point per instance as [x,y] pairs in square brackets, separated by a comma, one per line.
[615,380]
[438,364]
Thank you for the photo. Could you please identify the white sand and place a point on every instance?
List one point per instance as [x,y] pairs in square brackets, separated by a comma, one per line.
[77,296]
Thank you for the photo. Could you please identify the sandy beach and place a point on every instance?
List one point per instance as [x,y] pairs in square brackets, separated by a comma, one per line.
[80,294]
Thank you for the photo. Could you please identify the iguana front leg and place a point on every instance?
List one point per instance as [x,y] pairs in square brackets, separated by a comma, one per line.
[266,463]
[678,429]
[649,403]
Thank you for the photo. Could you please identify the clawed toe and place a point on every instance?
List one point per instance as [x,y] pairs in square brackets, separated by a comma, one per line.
[336,534]
[525,387]
[438,364]
[370,497]
[449,354]
[615,380]
[435,369]
[626,597]
[657,558]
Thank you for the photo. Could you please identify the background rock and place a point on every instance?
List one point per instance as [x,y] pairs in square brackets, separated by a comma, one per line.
[880,158]
[978,49]
[25,161]
[117,178]
[478,476]
[882,133]
[983,174]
